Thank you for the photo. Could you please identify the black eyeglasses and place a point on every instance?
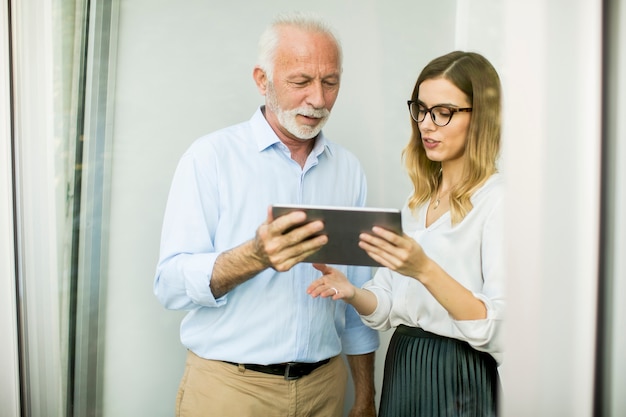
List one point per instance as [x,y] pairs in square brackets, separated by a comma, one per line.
[440,115]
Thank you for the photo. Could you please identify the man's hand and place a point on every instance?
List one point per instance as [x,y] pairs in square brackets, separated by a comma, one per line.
[283,242]
[278,244]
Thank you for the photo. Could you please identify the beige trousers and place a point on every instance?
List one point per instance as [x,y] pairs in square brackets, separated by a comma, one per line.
[217,389]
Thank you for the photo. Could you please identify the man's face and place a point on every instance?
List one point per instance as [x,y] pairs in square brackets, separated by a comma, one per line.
[305,84]
[288,119]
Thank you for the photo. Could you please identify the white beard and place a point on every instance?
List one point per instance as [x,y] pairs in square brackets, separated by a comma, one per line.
[287,118]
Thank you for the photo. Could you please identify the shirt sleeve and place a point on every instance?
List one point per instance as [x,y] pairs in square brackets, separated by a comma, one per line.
[358,338]
[187,253]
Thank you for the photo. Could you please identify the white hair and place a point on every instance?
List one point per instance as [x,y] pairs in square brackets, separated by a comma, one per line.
[307,21]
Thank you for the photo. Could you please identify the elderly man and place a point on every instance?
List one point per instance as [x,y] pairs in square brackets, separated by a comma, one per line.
[258,345]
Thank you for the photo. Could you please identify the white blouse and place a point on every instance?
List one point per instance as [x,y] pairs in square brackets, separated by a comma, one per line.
[472,253]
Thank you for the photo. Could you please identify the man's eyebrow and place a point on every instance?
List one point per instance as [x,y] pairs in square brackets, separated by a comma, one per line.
[303,76]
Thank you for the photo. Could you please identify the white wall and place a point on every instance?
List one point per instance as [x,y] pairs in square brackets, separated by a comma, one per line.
[184,69]
[551,66]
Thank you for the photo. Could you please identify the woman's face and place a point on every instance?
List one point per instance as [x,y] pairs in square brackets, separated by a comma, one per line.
[444,143]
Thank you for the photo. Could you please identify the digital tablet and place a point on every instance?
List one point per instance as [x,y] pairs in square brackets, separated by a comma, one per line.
[343,225]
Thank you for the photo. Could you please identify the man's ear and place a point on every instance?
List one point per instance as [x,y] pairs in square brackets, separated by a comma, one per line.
[260,79]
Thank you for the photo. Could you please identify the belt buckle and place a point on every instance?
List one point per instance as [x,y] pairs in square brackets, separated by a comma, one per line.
[287,372]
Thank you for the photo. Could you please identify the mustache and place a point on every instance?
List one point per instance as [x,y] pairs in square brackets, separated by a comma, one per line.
[311,112]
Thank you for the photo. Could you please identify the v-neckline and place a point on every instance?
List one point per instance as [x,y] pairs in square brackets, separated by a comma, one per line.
[438,220]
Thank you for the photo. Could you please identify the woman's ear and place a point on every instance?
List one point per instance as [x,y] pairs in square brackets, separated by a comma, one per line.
[260,79]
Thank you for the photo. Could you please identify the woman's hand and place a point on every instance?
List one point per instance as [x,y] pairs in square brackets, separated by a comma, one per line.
[399,253]
[331,284]
[405,256]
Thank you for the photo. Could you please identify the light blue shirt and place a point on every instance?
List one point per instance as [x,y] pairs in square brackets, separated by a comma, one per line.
[219,196]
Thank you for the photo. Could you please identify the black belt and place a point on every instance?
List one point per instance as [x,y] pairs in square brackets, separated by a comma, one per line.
[290,370]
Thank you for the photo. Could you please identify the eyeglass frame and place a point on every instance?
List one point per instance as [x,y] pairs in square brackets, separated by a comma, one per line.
[429,110]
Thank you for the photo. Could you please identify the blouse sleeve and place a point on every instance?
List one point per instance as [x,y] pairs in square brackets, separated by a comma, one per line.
[486,334]
[380,285]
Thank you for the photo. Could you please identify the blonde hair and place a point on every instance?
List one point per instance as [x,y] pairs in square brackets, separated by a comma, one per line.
[476,77]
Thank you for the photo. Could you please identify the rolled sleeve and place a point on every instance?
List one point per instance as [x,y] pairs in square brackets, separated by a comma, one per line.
[357,338]
[183,282]
[187,251]
[380,286]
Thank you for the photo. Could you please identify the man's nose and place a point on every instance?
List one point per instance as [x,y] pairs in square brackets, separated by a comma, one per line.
[316,96]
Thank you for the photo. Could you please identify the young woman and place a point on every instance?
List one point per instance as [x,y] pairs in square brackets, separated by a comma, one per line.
[442,288]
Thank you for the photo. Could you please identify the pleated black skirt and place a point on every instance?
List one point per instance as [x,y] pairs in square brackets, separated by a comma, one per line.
[428,375]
